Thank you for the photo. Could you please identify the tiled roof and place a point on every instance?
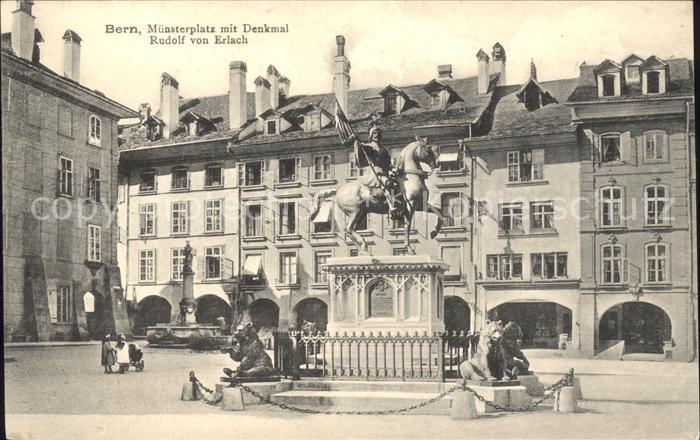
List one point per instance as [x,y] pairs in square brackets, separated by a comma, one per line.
[511,118]
[362,103]
[680,84]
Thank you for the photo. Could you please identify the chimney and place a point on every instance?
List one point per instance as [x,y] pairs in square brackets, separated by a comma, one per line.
[237,95]
[262,95]
[498,64]
[273,77]
[445,71]
[23,30]
[144,111]
[169,103]
[285,85]
[482,81]
[71,55]
[341,74]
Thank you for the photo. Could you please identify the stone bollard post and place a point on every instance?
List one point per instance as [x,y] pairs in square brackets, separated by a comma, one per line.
[565,400]
[463,406]
[189,393]
[232,399]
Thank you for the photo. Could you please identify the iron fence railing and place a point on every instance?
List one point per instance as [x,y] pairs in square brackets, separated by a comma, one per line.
[372,356]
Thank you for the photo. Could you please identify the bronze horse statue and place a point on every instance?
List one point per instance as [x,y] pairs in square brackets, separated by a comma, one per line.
[356,199]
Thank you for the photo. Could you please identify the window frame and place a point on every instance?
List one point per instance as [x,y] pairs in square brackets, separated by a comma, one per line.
[186,179]
[144,212]
[94,243]
[214,213]
[297,170]
[664,148]
[64,302]
[512,216]
[150,264]
[647,82]
[612,259]
[612,202]
[556,259]
[66,177]
[461,163]
[94,130]
[542,215]
[207,169]
[354,170]
[517,160]
[281,217]
[141,183]
[657,260]
[274,123]
[603,150]
[213,252]
[93,184]
[243,173]
[501,268]
[321,277]
[261,232]
[184,219]
[179,264]
[450,221]
[291,276]
[325,174]
[613,79]
[665,219]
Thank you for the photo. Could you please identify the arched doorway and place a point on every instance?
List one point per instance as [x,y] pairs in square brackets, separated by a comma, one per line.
[542,322]
[151,310]
[210,307]
[644,327]
[457,315]
[96,314]
[312,310]
[264,313]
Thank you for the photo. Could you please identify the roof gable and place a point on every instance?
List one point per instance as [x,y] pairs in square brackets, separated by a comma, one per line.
[607,66]
[632,59]
[653,62]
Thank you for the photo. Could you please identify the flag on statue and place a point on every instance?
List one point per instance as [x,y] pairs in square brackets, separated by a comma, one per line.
[345,133]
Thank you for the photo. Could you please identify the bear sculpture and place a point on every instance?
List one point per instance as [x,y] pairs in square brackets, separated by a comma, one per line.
[250,352]
[516,362]
[489,361]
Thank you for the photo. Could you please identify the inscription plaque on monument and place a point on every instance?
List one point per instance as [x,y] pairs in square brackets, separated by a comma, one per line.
[381,300]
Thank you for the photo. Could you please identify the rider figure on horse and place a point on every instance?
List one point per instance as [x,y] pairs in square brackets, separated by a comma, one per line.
[373,153]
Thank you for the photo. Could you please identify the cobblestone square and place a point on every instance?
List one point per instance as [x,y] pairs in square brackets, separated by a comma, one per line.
[61,392]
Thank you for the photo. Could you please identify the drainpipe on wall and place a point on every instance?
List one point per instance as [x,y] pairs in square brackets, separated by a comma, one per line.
[689,209]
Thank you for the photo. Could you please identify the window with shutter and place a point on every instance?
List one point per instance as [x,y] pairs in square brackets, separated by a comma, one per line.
[655,146]
[53,305]
[610,147]
[94,130]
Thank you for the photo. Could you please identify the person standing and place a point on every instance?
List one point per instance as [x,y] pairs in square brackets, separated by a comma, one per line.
[107,354]
[122,351]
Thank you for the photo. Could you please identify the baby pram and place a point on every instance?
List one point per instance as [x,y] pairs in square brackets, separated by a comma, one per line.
[136,357]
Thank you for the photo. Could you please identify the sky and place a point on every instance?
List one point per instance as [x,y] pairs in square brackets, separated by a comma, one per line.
[400,43]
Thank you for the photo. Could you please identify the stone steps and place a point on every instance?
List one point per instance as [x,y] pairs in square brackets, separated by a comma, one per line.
[363,400]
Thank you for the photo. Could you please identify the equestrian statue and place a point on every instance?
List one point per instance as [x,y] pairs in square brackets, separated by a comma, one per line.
[396,190]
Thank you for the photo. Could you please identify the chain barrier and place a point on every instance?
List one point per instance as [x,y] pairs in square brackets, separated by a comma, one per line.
[566,380]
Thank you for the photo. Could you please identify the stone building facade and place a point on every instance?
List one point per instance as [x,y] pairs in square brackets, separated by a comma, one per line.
[59,154]
[270,153]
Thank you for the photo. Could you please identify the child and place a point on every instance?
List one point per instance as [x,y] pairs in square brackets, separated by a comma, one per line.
[122,354]
[107,354]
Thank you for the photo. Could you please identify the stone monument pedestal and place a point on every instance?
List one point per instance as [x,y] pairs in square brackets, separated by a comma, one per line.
[264,388]
[532,384]
[387,294]
[502,392]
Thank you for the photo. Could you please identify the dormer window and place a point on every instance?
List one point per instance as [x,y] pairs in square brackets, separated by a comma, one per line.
[654,73]
[608,85]
[312,122]
[609,78]
[632,73]
[652,82]
[390,105]
[192,128]
[271,127]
